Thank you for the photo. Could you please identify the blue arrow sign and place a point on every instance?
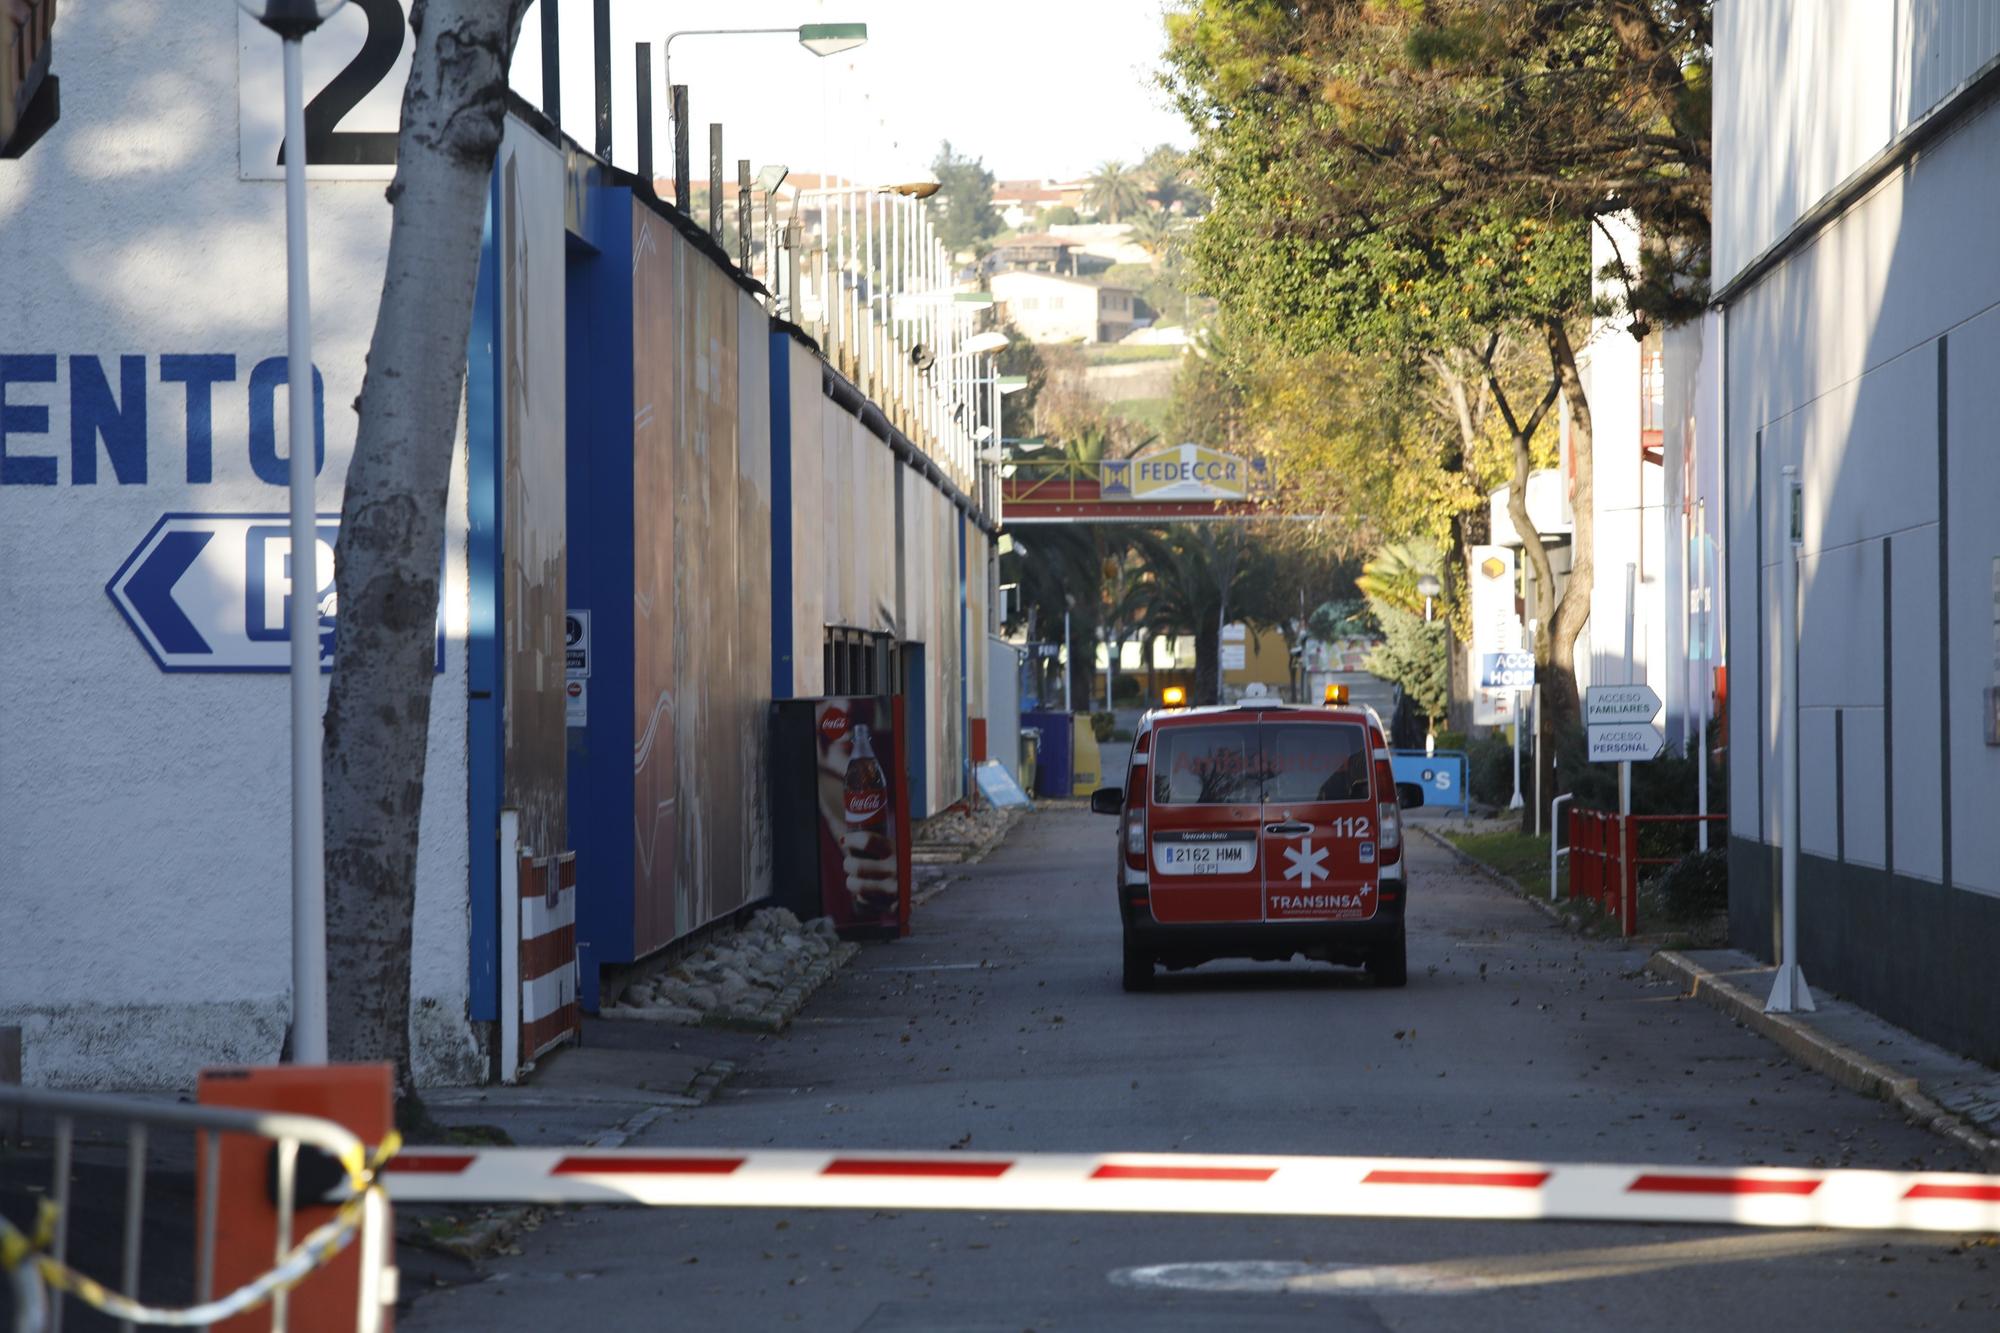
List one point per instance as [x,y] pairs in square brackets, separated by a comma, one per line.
[151,591]
[212,592]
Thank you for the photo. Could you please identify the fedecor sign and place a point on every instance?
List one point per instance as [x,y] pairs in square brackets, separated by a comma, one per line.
[1179,472]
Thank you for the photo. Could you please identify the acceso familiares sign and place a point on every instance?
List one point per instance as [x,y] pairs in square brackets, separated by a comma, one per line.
[1611,704]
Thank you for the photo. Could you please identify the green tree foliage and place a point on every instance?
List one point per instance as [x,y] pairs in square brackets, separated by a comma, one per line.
[1154,231]
[1413,653]
[1211,395]
[1169,176]
[962,209]
[1202,576]
[1020,357]
[1459,111]
[1114,191]
[1416,183]
[1342,618]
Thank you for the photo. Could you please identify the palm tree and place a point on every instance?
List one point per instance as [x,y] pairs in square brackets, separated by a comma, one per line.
[1412,652]
[1197,575]
[1114,189]
[1154,231]
[1391,574]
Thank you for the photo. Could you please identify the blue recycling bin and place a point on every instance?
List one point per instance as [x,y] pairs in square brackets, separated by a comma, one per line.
[1052,760]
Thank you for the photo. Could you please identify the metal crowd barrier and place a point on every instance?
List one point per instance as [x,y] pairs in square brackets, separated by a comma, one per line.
[34,1258]
[1604,859]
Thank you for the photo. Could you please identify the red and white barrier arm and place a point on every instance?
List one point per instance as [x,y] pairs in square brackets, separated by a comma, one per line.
[1176,1183]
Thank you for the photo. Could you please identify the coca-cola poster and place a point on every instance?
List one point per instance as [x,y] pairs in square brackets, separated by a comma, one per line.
[860,815]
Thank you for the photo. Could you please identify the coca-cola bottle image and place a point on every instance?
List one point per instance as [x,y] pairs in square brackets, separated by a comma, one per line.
[867,798]
[868,854]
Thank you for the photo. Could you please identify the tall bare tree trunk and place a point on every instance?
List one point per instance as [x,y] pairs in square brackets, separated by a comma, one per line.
[1458,373]
[393,518]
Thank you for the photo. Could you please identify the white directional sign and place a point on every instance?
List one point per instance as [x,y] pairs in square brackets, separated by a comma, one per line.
[1610,704]
[1624,742]
[211,592]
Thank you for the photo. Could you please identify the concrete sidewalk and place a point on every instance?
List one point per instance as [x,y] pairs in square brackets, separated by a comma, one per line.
[1949,1094]
[581,1095]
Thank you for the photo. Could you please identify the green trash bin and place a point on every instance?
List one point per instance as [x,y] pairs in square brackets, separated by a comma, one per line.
[1031,746]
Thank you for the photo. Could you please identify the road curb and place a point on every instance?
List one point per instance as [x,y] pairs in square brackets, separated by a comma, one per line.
[966,853]
[1815,1050]
[975,853]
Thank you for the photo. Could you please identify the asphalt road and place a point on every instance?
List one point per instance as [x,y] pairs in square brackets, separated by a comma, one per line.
[1000,1026]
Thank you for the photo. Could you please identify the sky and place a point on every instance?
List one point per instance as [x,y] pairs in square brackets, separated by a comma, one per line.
[1035,88]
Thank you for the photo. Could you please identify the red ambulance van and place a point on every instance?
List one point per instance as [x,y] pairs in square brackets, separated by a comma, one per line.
[1260,830]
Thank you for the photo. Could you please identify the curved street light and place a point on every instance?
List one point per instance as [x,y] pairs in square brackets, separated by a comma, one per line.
[822,39]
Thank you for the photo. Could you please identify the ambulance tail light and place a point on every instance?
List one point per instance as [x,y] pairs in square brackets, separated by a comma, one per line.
[1389,813]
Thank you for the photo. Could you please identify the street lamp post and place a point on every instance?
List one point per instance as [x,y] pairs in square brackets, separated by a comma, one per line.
[822,39]
[291,20]
[1429,588]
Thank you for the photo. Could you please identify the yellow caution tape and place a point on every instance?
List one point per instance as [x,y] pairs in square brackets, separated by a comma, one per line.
[310,1254]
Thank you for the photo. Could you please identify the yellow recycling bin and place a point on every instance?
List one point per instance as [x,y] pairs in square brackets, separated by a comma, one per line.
[1085,765]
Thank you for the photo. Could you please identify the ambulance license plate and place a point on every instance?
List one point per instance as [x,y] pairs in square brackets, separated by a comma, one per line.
[1198,853]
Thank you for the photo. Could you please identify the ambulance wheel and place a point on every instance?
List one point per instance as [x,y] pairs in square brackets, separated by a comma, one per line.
[1389,965]
[1138,965]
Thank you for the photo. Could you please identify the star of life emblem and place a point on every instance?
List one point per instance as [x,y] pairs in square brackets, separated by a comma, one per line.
[1307,863]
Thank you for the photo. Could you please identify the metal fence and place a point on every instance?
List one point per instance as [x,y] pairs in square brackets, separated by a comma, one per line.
[34,1254]
[1606,850]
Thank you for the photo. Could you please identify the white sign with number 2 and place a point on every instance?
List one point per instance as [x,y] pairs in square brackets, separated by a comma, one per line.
[355,67]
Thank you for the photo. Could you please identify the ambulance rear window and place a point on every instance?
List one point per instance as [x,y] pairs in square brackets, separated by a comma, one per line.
[1317,761]
[1220,764]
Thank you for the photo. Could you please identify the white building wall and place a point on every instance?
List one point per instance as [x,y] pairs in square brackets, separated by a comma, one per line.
[145,816]
[1822,88]
[1048,309]
[1627,501]
[1865,357]
[1853,401]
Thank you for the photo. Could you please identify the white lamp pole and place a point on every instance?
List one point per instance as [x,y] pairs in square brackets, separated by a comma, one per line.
[291,20]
